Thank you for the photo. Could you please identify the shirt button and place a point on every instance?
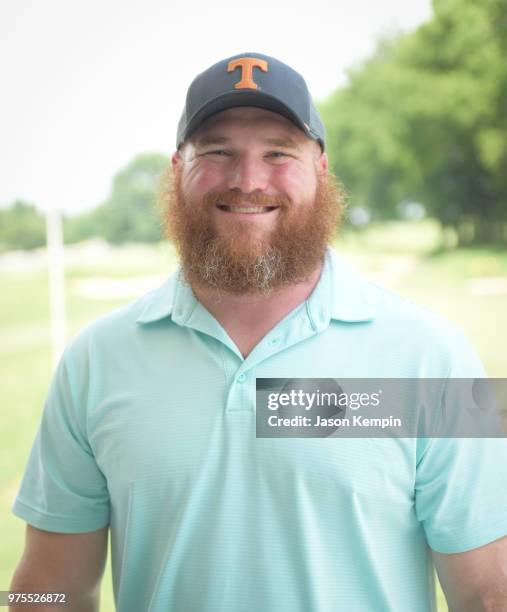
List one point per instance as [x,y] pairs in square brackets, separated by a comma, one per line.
[274,341]
[241,378]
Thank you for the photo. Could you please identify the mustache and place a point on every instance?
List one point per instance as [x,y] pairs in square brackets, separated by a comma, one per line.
[235,197]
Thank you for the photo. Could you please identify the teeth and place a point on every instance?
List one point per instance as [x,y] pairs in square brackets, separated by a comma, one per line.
[247,209]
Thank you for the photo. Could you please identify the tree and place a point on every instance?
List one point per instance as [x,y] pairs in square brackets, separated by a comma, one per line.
[462,136]
[426,118]
[22,226]
[129,213]
[362,133]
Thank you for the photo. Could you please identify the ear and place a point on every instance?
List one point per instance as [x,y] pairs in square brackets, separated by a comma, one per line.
[322,163]
[175,160]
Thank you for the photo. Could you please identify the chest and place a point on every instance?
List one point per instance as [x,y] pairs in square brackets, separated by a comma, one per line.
[186,426]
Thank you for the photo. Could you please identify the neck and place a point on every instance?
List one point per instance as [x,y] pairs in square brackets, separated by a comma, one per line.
[248,318]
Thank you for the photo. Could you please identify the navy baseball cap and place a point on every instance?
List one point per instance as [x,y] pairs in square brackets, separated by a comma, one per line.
[250,79]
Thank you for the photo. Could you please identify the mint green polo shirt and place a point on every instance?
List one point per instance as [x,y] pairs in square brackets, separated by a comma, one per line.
[149,427]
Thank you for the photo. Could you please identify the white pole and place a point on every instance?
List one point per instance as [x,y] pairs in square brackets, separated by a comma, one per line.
[54,241]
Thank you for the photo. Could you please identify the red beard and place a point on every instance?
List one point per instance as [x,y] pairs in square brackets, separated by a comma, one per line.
[239,263]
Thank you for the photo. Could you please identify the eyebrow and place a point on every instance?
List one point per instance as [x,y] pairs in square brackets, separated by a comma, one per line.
[286,143]
[211,139]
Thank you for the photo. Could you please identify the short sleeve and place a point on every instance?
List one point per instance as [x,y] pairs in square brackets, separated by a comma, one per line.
[63,489]
[461,483]
[461,492]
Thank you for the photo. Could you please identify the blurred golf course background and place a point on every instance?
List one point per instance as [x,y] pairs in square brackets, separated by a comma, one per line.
[417,135]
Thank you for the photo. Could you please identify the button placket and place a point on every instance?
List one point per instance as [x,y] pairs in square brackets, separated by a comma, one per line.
[239,399]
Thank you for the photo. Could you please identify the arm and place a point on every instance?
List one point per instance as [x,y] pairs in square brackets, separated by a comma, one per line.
[476,580]
[71,563]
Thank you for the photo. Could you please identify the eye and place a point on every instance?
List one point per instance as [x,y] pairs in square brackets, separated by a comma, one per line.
[217,156]
[218,153]
[278,156]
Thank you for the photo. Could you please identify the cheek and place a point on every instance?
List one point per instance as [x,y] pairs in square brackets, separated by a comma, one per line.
[299,184]
[200,179]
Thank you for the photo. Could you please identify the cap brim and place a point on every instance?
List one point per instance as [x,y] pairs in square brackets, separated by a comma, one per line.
[234,99]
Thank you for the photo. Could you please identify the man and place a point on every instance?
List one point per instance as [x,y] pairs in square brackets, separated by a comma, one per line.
[149,427]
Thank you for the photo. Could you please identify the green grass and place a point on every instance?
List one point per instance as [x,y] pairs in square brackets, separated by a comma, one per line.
[440,281]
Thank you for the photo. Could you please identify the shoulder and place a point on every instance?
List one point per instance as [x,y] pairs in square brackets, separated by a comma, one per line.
[357,299]
[420,334]
[118,331]
[395,311]
[401,337]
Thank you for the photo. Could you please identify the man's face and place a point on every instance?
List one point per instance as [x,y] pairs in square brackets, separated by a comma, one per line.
[251,208]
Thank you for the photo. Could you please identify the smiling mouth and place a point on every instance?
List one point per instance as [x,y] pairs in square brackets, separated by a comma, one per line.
[249,210]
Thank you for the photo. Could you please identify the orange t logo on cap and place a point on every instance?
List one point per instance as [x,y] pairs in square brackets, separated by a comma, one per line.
[247,64]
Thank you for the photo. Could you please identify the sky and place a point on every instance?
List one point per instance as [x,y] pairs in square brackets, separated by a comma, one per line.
[87,86]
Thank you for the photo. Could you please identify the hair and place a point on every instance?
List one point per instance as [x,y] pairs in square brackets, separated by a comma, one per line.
[236,263]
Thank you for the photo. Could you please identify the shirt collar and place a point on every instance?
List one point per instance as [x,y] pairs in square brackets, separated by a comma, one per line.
[341,294]
[353,297]
[158,303]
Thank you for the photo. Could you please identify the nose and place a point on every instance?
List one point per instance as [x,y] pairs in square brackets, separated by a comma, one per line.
[248,174]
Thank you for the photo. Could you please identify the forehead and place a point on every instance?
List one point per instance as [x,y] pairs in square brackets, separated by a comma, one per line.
[240,119]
